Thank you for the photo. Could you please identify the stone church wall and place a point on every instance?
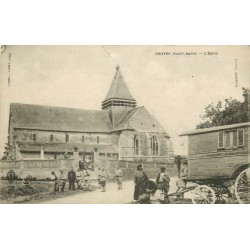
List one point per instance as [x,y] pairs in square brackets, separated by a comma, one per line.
[25,135]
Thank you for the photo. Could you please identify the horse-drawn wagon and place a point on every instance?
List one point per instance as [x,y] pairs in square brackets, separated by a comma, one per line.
[218,161]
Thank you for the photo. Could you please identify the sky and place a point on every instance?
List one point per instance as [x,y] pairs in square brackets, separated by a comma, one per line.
[174,86]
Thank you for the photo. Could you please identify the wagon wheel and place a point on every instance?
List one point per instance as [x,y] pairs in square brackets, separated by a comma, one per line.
[221,194]
[242,187]
[203,195]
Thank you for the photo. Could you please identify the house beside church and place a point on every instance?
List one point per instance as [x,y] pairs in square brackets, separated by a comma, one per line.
[121,130]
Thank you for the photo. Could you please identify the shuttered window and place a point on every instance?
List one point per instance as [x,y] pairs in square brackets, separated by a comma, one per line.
[231,139]
[221,140]
[240,137]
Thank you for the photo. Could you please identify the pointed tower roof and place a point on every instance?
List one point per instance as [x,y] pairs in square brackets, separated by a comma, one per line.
[119,88]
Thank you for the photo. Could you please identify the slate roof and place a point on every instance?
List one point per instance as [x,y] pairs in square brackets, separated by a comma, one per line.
[124,122]
[119,88]
[65,147]
[127,121]
[59,118]
[213,129]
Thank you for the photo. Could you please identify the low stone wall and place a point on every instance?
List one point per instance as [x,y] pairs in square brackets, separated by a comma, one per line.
[40,169]
[129,168]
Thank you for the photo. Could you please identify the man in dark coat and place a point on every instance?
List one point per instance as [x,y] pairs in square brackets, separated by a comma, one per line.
[72,179]
[55,179]
[141,180]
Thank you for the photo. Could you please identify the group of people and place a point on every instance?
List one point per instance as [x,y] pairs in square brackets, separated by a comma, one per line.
[102,178]
[60,180]
[82,178]
[144,187]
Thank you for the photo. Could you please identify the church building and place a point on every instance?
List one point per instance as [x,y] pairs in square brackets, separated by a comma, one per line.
[120,131]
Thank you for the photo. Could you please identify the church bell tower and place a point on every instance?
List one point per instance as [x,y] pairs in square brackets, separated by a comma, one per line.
[119,99]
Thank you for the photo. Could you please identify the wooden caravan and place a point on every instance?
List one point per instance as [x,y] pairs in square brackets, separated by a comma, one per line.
[220,155]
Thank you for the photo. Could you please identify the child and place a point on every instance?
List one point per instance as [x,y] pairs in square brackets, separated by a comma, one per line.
[62,180]
[118,176]
[86,176]
[162,182]
[103,179]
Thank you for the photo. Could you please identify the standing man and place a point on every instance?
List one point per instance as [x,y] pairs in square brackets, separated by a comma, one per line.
[99,177]
[118,176]
[62,180]
[56,184]
[72,178]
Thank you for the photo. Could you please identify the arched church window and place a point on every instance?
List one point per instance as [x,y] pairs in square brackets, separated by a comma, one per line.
[154,146]
[136,145]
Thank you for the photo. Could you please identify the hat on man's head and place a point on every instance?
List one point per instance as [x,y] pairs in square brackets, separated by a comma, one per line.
[163,168]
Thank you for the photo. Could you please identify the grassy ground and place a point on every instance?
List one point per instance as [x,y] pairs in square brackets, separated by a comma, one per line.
[17,193]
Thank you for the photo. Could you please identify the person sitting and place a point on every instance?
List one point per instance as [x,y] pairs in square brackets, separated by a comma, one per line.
[144,198]
[26,182]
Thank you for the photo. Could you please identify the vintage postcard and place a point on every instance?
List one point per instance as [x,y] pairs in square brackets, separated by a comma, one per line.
[124,124]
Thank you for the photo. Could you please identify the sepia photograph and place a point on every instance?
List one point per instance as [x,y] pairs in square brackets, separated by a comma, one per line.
[124,124]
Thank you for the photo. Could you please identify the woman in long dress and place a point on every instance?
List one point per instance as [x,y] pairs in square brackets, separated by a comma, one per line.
[141,180]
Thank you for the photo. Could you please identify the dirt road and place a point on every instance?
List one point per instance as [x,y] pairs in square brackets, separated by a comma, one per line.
[111,196]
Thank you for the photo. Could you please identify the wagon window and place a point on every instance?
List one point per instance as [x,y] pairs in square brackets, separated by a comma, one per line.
[235,138]
[221,140]
[240,137]
[228,136]
[231,139]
